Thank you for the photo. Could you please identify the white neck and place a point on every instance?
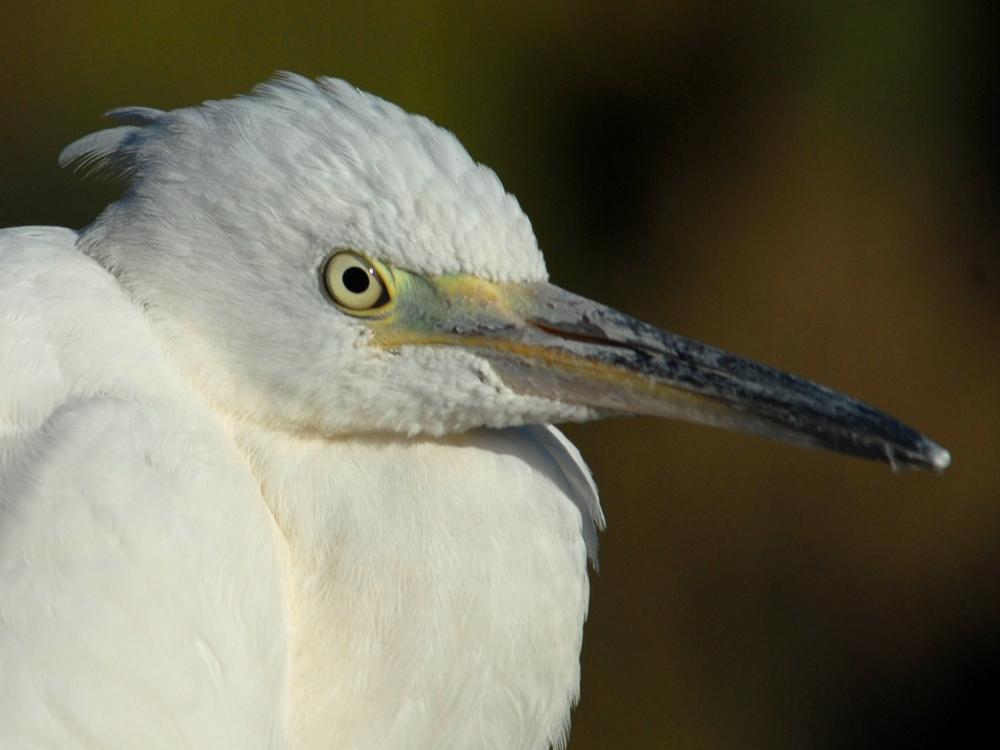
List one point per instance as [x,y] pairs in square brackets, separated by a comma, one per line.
[438,588]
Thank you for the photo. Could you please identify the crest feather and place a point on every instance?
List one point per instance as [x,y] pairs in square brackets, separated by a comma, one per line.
[106,153]
[135,115]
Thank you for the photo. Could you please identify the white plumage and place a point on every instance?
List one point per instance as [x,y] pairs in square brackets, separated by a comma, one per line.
[141,596]
[238,511]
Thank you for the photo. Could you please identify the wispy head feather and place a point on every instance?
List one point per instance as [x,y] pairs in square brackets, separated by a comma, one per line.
[320,159]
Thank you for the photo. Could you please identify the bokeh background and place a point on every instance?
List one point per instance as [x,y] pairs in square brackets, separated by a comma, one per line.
[813,184]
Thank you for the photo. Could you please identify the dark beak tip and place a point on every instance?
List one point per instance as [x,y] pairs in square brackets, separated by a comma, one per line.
[939,458]
[925,454]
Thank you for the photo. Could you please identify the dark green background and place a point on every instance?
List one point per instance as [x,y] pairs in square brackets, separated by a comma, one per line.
[811,184]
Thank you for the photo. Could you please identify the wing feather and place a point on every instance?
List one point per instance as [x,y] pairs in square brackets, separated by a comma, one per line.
[141,602]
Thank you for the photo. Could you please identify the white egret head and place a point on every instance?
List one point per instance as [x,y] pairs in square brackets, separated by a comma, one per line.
[232,213]
[317,259]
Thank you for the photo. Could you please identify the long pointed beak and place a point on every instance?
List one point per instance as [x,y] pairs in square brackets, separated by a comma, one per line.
[545,341]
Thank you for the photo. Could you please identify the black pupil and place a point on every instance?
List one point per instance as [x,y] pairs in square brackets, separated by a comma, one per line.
[356,280]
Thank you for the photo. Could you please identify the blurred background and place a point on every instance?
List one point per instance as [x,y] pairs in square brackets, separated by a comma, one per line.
[815,185]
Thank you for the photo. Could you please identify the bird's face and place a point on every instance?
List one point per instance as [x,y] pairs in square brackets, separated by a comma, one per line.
[530,351]
[318,260]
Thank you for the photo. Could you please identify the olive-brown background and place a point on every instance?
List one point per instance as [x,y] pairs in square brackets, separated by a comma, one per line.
[811,184]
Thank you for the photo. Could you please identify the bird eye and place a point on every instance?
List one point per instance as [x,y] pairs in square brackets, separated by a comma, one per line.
[355,283]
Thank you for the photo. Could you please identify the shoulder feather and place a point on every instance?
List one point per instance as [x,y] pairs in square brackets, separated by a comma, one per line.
[138,572]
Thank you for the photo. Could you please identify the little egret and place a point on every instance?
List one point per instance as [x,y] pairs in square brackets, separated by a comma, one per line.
[278,468]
